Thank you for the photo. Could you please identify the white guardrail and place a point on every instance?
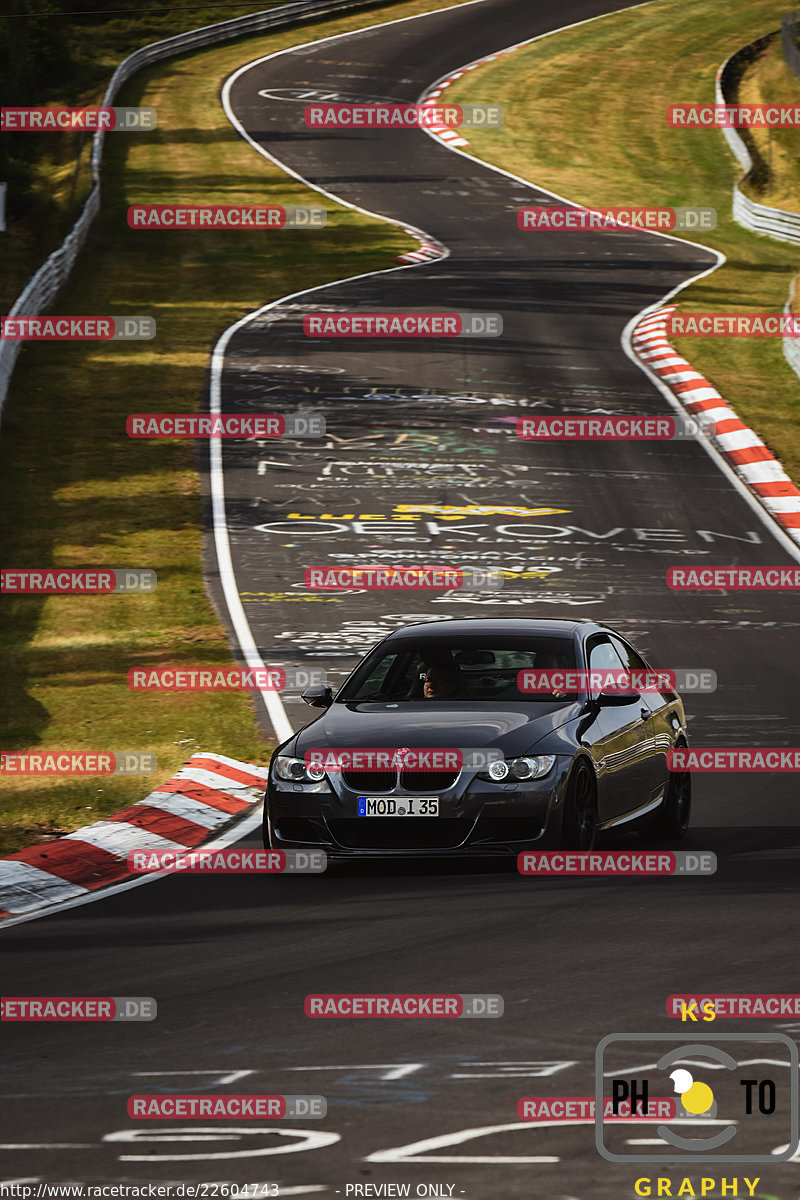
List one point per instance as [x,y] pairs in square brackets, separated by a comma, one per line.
[759,218]
[791,349]
[42,288]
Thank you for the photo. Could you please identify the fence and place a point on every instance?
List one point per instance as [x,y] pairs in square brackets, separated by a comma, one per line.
[758,218]
[791,345]
[43,287]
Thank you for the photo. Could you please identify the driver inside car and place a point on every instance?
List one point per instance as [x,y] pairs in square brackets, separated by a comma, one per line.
[441,682]
[552,662]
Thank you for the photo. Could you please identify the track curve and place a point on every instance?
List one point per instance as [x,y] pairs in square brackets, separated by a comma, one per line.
[428,427]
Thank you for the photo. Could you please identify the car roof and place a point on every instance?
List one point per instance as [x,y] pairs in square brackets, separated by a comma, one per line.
[524,626]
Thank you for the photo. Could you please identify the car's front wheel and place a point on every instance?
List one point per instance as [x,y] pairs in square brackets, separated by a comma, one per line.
[579,828]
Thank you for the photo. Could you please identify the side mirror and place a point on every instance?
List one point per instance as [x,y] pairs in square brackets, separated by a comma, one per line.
[617,699]
[318,696]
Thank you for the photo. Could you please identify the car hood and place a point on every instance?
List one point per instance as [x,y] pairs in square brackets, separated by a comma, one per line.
[428,724]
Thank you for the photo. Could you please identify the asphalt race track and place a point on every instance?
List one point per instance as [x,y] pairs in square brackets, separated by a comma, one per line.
[421,464]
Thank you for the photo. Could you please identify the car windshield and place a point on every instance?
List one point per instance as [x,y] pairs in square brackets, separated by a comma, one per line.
[464,668]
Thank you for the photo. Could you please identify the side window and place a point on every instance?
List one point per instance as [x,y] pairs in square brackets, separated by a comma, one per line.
[630,658]
[404,681]
[634,662]
[603,656]
[373,683]
[387,678]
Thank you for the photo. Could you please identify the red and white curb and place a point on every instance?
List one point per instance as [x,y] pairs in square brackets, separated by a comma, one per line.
[445,132]
[428,250]
[741,448]
[430,97]
[204,795]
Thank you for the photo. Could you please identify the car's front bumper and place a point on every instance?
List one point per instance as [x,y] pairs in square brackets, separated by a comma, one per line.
[477,818]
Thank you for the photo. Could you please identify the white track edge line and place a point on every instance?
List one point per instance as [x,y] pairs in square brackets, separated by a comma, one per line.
[625,338]
[244,635]
[272,700]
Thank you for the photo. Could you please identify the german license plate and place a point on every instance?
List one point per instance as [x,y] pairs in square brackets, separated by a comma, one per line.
[398,806]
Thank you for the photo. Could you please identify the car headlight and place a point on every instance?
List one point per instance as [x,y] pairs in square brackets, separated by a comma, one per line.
[518,770]
[295,770]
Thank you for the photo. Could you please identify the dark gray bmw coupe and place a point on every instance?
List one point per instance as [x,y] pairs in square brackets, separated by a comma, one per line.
[445,741]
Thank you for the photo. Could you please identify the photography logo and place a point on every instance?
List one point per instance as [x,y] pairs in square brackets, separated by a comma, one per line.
[737,1098]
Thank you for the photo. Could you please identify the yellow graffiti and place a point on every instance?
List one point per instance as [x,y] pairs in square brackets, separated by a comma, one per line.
[480,510]
[542,574]
[446,512]
[261,597]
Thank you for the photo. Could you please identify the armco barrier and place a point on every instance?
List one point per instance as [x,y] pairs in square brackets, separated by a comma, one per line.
[791,348]
[790,27]
[758,218]
[775,222]
[41,290]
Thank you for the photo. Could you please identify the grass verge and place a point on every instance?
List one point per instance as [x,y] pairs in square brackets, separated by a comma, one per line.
[78,492]
[585,117]
[61,58]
